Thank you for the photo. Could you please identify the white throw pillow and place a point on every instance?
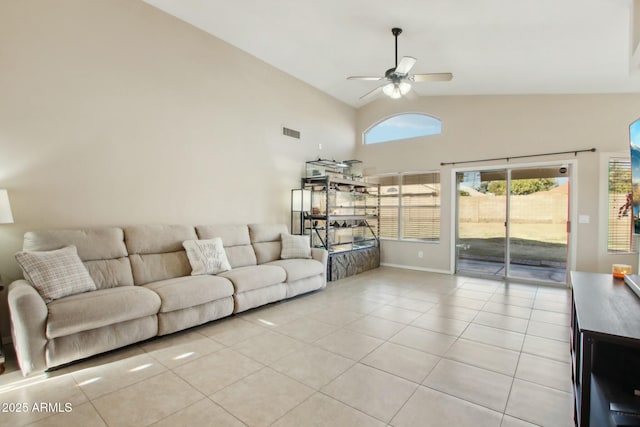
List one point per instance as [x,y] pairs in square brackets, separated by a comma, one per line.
[295,246]
[56,274]
[206,256]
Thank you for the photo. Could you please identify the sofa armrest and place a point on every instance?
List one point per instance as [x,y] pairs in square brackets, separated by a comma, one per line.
[28,313]
[321,255]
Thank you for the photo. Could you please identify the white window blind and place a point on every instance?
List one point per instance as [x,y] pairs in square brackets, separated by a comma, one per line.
[389,204]
[620,209]
[420,206]
[409,206]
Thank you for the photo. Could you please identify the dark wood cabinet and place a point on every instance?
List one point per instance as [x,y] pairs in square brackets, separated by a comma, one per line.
[605,351]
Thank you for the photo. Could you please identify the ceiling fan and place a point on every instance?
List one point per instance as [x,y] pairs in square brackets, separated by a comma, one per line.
[398,78]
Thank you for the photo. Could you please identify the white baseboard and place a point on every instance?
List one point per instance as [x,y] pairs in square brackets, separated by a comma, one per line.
[410,267]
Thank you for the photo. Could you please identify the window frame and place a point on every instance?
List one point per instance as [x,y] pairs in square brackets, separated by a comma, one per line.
[400,208]
[379,122]
[611,159]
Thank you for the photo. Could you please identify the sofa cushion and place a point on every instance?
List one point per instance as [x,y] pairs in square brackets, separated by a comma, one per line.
[109,273]
[100,308]
[265,239]
[295,246]
[154,267]
[190,291]
[92,243]
[236,242]
[299,268]
[57,273]
[101,249]
[255,277]
[206,256]
[65,349]
[257,297]
[156,251]
[157,238]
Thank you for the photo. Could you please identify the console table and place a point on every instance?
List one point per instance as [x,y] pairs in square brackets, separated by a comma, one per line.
[605,351]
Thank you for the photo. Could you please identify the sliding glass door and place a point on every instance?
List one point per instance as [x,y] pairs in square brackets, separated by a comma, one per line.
[481,230]
[513,223]
[538,223]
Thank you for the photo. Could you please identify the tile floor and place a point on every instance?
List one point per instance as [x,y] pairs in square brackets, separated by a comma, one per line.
[388,347]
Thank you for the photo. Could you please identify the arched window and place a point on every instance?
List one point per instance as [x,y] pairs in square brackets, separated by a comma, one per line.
[403,126]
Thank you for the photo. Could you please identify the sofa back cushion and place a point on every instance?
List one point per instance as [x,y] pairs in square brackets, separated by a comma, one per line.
[102,250]
[236,242]
[265,239]
[156,251]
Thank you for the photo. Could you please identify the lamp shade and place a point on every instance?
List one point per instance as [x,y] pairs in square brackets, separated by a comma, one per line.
[6,217]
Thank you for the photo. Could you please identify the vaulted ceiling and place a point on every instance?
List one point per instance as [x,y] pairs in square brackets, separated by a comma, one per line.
[490,46]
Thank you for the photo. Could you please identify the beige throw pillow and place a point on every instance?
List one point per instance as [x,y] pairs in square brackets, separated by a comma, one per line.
[56,274]
[295,246]
[206,256]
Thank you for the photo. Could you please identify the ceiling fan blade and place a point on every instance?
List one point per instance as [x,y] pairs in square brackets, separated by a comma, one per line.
[372,92]
[405,65]
[432,77]
[364,78]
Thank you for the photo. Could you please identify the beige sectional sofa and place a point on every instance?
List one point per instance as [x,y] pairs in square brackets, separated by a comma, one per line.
[144,287]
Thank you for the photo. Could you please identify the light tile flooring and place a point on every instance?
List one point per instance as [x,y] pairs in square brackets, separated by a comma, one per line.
[385,348]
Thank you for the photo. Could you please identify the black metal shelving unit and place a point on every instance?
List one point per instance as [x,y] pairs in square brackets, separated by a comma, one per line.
[341,216]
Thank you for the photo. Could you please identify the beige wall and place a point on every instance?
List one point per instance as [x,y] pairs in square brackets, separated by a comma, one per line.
[114,113]
[480,127]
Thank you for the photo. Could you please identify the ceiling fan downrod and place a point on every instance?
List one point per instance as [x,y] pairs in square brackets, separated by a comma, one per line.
[396,32]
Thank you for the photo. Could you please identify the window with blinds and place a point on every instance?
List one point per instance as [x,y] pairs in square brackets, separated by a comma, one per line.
[409,206]
[389,205]
[420,206]
[620,206]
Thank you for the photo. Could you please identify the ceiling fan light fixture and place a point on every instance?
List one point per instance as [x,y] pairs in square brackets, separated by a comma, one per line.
[404,87]
[391,90]
[396,90]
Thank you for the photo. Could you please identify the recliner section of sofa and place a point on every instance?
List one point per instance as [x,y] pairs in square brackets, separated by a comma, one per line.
[255,283]
[116,314]
[159,263]
[145,288]
[302,275]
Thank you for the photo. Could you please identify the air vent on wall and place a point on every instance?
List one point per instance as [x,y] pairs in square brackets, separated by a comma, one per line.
[291,132]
